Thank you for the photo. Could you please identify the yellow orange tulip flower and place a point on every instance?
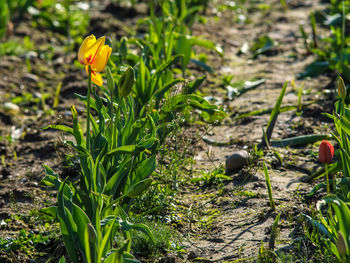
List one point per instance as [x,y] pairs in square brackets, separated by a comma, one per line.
[94,53]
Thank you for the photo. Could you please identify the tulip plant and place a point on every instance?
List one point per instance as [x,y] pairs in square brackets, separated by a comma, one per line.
[159,92]
[336,224]
[116,158]
[117,154]
[325,155]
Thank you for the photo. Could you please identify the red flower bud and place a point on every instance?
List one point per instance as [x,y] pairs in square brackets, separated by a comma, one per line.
[325,152]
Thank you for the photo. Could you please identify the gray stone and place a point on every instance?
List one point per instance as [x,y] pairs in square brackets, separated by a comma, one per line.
[30,78]
[237,160]
[11,108]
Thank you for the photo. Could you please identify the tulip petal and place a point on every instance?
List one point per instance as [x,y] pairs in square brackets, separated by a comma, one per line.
[325,152]
[101,59]
[86,45]
[90,54]
[96,77]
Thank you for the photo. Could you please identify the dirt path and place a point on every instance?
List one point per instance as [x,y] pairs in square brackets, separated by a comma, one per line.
[221,222]
[243,218]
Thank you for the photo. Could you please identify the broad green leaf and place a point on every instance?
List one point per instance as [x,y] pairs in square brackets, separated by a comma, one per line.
[113,257]
[105,240]
[184,47]
[207,44]
[51,211]
[146,143]
[300,140]
[275,112]
[168,63]
[69,242]
[128,258]
[126,82]
[202,65]
[87,250]
[81,220]
[59,127]
[342,212]
[123,149]
[314,69]
[320,227]
[159,94]
[344,123]
[126,226]
[263,45]
[110,80]
[117,178]
[146,167]
[77,131]
[138,188]
[192,86]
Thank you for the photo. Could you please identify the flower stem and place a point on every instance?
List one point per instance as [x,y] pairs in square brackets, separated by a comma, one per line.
[115,128]
[88,113]
[327,179]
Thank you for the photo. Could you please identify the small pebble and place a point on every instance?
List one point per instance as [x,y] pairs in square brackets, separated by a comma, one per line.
[31,55]
[11,108]
[237,160]
[30,78]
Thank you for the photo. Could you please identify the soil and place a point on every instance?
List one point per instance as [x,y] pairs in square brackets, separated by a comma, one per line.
[221,222]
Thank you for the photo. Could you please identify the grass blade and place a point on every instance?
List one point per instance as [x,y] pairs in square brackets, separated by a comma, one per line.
[268,185]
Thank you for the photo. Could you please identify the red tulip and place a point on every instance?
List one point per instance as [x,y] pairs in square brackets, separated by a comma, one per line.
[325,152]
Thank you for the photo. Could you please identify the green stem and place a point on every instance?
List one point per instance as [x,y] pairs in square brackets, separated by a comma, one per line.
[88,113]
[327,179]
[116,123]
[341,61]
[111,121]
[128,237]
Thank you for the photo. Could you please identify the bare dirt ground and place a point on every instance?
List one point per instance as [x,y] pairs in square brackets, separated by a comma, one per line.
[242,222]
[229,222]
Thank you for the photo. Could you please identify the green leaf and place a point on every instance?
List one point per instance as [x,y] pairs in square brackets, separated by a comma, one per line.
[77,131]
[344,123]
[126,82]
[67,225]
[117,178]
[113,257]
[184,47]
[207,44]
[138,188]
[51,211]
[128,258]
[274,114]
[126,226]
[59,127]
[192,86]
[300,140]
[342,212]
[198,102]
[62,260]
[110,80]
[202,65]
[124,149]
[81,220]
[87,249]
[68,239]
[146,167]
[321,228]
[263,45]
[106,238]
[314,69]
[168,63]
[146,143]
[159,94]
